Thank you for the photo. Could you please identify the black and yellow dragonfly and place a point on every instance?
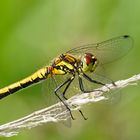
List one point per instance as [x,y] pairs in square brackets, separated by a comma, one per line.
[76,62]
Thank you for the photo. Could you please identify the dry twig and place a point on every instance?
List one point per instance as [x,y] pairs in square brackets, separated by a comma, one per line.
[55,113]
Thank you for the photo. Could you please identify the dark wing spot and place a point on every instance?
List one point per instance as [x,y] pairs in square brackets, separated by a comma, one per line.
[126,36]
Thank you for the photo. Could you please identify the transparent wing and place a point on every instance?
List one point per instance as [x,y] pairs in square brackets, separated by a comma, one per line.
[50,98]
[106,51]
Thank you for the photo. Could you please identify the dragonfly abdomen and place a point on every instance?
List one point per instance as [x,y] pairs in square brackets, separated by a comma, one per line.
[34,78]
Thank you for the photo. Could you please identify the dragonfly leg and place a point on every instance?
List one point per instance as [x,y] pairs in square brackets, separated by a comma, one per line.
[65,105]
[69,81]
[91,80]
[96,82]
[82,86]
[72,78]
[85,118]
[60,86]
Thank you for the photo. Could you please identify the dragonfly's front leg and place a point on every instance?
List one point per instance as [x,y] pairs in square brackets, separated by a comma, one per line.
[96,82]
[90,80]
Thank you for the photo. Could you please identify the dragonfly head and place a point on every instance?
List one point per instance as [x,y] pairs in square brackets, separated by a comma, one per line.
[89,62]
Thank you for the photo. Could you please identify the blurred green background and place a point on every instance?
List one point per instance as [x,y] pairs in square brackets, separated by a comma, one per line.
[33,32]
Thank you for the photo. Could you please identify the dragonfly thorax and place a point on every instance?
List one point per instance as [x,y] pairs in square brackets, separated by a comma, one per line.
[89,62]
[64,64]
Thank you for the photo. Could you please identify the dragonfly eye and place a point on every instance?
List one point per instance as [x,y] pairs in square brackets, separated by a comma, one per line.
[89,62]
[88,58]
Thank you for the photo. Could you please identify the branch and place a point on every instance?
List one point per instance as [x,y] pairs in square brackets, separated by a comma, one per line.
[58,113]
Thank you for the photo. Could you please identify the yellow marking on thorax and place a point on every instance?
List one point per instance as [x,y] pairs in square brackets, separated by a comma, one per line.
[69,58]
[62,63]
[58,72]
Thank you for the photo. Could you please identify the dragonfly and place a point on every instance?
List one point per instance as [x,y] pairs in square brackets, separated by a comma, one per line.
[78,61]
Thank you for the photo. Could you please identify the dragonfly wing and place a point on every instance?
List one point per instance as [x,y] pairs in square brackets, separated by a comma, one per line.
[106,51]
[48,88]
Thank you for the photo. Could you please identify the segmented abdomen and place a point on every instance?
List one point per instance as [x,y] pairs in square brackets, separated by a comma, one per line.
[34,78]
